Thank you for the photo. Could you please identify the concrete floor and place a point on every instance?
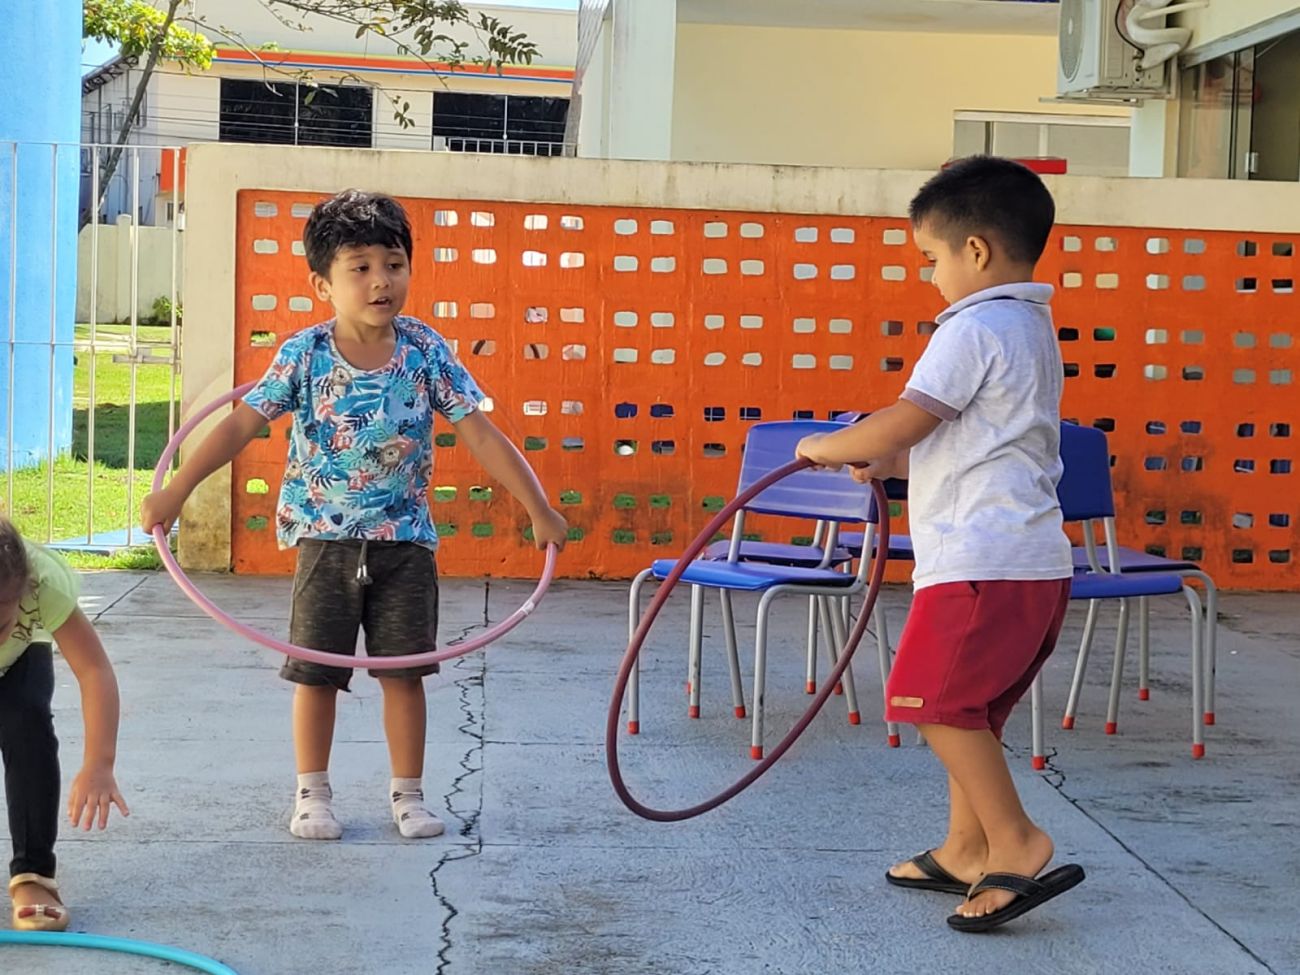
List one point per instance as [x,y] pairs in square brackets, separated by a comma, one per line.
[1192,866]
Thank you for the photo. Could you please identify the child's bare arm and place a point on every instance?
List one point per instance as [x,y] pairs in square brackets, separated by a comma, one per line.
[218,449]
[502,460]
[94,790]
[883,435]
[899,465]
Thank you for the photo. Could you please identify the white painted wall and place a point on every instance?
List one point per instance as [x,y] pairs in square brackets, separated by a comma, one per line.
[110,300]
[554,31]
[876,99]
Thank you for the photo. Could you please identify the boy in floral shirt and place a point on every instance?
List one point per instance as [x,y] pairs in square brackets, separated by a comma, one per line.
[363,390]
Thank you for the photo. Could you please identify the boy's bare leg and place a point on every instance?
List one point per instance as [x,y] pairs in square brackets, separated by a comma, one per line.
[964,851]
[313,737]
[313,726]
[1015,845]
[405,718]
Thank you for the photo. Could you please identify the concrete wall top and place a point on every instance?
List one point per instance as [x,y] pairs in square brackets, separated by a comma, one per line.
[1218,204]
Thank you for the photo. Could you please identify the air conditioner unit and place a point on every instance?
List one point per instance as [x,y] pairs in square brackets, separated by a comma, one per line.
[1096,62]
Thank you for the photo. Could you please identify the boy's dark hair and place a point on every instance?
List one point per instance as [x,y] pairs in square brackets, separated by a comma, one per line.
[14,569]
[353,218]
[984,196]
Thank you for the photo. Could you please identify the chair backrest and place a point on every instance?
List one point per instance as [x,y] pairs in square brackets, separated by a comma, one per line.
[1085,490]
[819,495]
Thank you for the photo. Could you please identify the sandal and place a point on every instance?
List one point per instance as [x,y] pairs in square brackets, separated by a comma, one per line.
[1030,893]
[38,917]
[936,877]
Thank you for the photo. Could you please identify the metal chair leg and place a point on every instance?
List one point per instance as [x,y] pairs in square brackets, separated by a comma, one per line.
[634,680]
[885,653]
[1211,644]
[1039,756]
[838,638]
[1081,664]
[1117,674]
[697,648]
[810,668]
[1198,675]
[760,677]
[733,654]
[1144,648]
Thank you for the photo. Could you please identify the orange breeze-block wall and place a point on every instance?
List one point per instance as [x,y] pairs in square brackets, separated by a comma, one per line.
[628,350]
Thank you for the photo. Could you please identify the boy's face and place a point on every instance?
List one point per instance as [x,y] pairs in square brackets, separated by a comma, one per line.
[958,271]
[366,285]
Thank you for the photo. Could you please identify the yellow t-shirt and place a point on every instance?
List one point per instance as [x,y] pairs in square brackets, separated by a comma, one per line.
[51,597]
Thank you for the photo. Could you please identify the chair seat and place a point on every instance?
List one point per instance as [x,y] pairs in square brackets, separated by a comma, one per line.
[900,546]
[774,553]
[1104,585]
[751,576]
[1132,560]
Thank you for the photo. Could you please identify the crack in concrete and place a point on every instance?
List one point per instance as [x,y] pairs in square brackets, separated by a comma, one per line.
[1055,777]
[101,613]
[471,764]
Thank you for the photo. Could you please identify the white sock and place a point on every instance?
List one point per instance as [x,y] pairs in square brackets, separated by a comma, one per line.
[412,819]
[313,819]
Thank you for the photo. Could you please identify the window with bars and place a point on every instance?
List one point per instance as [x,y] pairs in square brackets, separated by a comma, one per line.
[295,114]
[512,124]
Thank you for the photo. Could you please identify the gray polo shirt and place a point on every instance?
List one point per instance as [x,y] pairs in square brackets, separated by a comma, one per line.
[982,487]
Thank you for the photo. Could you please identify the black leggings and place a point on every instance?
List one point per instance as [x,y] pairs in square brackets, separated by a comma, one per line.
[31,760]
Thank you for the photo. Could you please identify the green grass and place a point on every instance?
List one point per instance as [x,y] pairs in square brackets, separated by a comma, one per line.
[66,517]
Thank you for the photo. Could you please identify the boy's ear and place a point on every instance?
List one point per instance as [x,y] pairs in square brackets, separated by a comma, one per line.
[979,250]
[319,284]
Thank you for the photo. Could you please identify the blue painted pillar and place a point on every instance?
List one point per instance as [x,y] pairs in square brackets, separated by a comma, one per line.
[40,125]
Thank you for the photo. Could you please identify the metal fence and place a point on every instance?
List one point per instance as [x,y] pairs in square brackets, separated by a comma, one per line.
[83,489]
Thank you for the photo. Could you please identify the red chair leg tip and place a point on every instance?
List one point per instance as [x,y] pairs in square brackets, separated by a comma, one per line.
[740,711]
[839,688]
[693,711]
[1067,724]
[1209,717]
[811,687]
[1144,694]
[1039,762]
[1198,751]
[855,717]
[1112,727]
[895,741]
[634,727]
[756,752]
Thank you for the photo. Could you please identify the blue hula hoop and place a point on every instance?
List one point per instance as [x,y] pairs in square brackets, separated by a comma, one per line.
[146,949]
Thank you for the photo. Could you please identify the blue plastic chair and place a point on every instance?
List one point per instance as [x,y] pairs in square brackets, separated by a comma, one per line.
[824,496]
[814,556]
[1085,496]
[1133,561]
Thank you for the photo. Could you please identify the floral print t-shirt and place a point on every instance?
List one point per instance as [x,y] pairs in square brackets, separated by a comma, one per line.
[361,447]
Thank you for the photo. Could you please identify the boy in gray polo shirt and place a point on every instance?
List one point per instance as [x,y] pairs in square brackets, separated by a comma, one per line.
[977,434]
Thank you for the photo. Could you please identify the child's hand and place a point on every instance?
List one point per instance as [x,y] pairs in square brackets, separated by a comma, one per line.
[809,449]
[550,527]
[880,470]
[94,790]
[160,508]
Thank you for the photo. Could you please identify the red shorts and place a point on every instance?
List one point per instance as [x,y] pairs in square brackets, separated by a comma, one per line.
[970,651]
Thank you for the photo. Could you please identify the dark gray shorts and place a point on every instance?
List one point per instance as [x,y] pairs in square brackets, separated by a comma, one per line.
[398,609]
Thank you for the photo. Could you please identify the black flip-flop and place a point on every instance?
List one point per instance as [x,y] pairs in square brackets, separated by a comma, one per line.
[1030,893]
[936,877]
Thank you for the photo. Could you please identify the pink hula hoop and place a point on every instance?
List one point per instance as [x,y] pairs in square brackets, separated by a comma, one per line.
[188,587]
